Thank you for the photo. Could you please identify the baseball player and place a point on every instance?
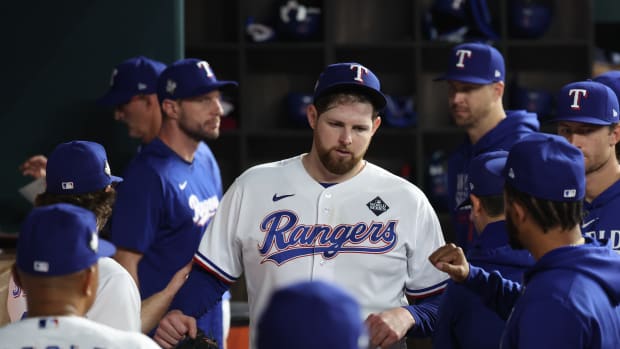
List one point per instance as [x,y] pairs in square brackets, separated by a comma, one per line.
[325,215]
[475,78]
[173,187]
[57,265]
[78,173]
[570,297]
[133,95]
[464,321]
[587,116]
[331,319]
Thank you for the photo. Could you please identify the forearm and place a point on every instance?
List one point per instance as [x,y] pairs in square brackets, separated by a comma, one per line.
[425,313]
[154,308]
[200,293]
[497,293]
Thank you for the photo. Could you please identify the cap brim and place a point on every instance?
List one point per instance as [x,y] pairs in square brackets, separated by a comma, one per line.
[465,205]
[105,248]
[377,98]
[114,98]
[584,119]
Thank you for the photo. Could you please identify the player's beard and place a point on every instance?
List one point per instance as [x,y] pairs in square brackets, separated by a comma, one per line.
[513,233]
[196,131]
[337,164]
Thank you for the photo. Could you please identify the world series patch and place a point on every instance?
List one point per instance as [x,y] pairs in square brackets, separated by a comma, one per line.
[377,206]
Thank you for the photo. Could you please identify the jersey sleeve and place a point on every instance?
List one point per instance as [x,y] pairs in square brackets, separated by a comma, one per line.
[137,209]
[423,278]
[219,252]
[499,294]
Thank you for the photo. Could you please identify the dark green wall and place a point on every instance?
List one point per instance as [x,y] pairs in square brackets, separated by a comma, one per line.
[57,57]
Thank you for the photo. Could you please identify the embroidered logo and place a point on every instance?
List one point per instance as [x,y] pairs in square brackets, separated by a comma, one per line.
[286,239]
[278,198]
[377,206]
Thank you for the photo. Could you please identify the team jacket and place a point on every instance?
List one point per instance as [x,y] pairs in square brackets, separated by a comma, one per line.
[601,216]
[464,321]
[570,299]
[516,125]
[371,235]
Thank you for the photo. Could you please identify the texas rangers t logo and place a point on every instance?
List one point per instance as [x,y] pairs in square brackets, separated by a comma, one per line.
[577,93]
[360,71]
[460,62]
[204,65]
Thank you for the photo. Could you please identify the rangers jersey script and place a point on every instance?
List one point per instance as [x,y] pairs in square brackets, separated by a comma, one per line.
[280,226]
[71,332]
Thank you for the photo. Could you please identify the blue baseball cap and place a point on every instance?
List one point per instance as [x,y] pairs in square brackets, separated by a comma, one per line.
[547,167]
[78,167]
[611,79]
[187,78]
[340,77]
[475,63]
[60,239]
[134,76]
[310,315]
[589,102]
[484,175]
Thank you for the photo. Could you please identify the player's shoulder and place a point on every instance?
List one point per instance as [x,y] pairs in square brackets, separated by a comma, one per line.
[384,177]
[269,171]
[109,268]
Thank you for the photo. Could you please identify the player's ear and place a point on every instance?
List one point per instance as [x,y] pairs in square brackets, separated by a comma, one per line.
[90,281]
[375,124]
[498,87]
[476,206]
[614,135]
[313,115]
[170,107]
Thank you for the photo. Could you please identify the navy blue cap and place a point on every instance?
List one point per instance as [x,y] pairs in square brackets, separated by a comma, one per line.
[78,167]
[547,167]
[354,76]
[589,102]
[60,239]
[611,79]
[311,315]
[188,78]
[134,76]
[475,63]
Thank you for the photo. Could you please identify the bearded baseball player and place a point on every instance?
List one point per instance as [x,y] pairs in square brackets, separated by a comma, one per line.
[475,78]
[587,116]
[56,264]
[325,215]
[173,187]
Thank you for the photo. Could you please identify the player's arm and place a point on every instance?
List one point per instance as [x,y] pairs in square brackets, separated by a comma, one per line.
[34,166]
[497,293]
[129,260]
[155,306]
[199,294]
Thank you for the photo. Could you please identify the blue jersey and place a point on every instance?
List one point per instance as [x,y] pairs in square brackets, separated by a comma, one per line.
[571,299]
[162,209]
[602,219]
[464,321]
[516,125]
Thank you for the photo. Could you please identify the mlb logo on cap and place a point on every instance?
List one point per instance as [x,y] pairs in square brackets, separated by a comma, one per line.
[589,102]
[60,239]
[547,167]
[475,63]
[78,167]
[187,78]
[342,77]
[134,76]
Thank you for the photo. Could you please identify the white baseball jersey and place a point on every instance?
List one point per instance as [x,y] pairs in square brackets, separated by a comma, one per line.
[117,303]
[371,234]
[69,332]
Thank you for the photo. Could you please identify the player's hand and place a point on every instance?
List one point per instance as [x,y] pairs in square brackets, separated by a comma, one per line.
[388,327]
[174,327]
[451,260]
[34,166]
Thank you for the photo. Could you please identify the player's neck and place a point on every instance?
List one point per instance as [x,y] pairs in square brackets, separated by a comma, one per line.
[485,124]
[54,307]
[184,146]
[601,179]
